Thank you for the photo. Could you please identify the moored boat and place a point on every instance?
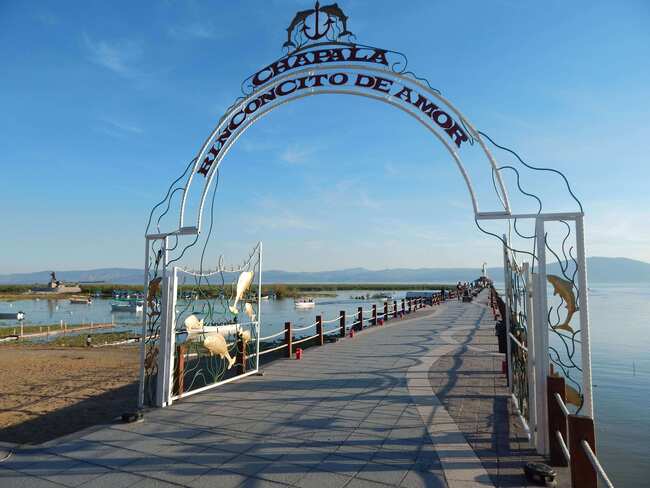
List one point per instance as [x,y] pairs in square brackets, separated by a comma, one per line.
[127,306]
[305,302]
[81,300]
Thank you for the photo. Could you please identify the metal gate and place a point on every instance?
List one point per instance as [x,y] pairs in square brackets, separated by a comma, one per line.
[201,327]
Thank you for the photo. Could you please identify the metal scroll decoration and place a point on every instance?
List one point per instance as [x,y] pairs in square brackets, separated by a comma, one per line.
[152,322]
[563,329]
[563,302]
[519,326]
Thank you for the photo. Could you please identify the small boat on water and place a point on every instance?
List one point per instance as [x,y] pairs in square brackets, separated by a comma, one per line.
[131,306]
[81,300]
[305,302]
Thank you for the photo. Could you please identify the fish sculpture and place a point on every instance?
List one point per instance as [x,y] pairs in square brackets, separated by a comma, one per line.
[243,282]
[335,11]
[248,309]
[152,291]
[564,288]
[216,345]
[193,325]
[245,337]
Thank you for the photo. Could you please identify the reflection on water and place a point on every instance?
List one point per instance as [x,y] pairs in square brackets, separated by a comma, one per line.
[620,335]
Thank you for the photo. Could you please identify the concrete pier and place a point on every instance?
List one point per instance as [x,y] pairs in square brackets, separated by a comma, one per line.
[418,402]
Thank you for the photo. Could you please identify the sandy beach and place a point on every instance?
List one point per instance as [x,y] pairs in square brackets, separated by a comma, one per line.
[47,392]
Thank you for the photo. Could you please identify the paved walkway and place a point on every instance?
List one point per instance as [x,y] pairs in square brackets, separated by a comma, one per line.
[397,405]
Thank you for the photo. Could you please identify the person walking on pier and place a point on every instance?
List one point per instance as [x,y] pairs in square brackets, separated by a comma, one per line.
[459,289]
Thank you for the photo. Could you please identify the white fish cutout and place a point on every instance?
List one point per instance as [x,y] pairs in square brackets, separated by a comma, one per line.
[245,337]
[248,309]
[243,282]
[216,345]
[193,325]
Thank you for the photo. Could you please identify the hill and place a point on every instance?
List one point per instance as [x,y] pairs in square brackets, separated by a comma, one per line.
[600,270]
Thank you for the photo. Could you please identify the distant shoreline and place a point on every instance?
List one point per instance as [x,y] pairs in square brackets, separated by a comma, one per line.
[282,290]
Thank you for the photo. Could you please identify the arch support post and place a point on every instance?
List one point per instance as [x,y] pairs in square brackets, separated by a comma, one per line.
[541,339]
[583,305]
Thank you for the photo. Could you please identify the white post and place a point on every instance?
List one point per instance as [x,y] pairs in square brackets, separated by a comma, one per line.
[530,366]
[541,339]
[171,336]
[259,310]
[163,339]
[508,288]
[584,317]
[144,323]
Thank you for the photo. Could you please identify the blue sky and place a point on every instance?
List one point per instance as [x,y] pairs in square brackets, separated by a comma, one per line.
[104,103]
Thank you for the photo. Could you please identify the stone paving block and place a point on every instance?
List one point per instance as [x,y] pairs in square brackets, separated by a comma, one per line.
[424,479]
[282,472]
[78,474]
[115,458]
[24,458]
[153,483]
[245,465]
[260,483]
[15,479]
[212,457]
[49,466]
[361,483]
[113,479]
[342,465]
[162,469]
[218,478]
[323,479]
[392,474]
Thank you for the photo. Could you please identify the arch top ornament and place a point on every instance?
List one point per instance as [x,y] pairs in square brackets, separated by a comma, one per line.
[323,57]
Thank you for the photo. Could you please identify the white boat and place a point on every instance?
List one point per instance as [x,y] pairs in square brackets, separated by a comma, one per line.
[306,302]
[81,300]
[127,306]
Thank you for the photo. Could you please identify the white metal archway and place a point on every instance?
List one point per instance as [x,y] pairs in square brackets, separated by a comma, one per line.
[323,60]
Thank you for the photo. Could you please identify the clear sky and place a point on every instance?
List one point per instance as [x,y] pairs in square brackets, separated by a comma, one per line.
[104,103]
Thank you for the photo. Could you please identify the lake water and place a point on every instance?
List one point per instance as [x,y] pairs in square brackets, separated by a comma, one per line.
[620,335]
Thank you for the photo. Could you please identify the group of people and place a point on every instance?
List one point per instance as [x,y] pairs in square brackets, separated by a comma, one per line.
[463,289]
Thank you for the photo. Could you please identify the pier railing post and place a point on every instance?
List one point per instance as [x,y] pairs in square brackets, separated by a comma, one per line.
[360,318]
[180,371]
[288,338]
[583,474]
[374,314]
[342,323]
[385,310]
[319,330]
[241,355]
[556,419]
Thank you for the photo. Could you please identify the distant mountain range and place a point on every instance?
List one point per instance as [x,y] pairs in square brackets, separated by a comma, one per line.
[600,270]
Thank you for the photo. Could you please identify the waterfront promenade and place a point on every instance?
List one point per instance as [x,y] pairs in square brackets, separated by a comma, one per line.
[417,402]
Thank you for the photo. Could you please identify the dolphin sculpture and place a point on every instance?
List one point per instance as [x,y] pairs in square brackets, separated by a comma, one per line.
[564,288]
[243,282]
[248,310]
[216,345]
